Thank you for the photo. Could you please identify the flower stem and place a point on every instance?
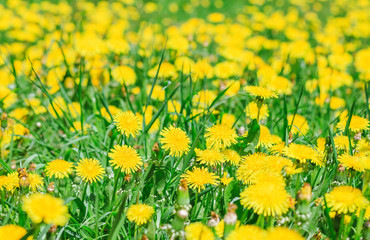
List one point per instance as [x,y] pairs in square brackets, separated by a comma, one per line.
[116,175]
[195,205]
[360,222]
[84,193]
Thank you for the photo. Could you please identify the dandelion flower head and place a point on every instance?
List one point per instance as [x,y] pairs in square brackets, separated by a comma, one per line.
[197,178]
[90,170]
[46,208]
[175,141]
[58,168]
[140,213]
[220,136]
[127,123]
[125,158]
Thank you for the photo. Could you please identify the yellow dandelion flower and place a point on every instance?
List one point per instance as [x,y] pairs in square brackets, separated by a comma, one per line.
[363,147]
[342,142]
[199,177]
[225,180]
[279,84]
[321,142]
[220,228]
[250,232]
[337,103]
[127,123]
[269,199]
[198,231]
[167,70]
[275,139]
[77,126]
[124,75]
[249,166]
[357,163]
[265,139]
[175,140]
[140,213]
[58,168]
[231,156]
[12,232]
[158,92]
[228,119]
[12,181]
[210,157]
[345,199]
[291,170]
[357,124]
[46,208]
[277,163]
[3,181]
[215,17]
[268,177]
[252,111]
[299,124]
[278,149]
[220,136]
[36,181]
[126,158]
[90,170]
[108,112]
[302,153]
[278,233]
[204,98]
[260,92]
[367,212]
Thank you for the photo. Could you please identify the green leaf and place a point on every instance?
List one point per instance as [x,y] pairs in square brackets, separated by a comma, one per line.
[249,142]
[151,230]
[5,166]
[160,177]
[228,193]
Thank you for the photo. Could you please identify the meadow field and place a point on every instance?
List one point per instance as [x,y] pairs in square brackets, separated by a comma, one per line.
[187,119]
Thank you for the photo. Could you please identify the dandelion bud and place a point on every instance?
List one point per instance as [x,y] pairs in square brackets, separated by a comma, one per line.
[223,86]
[230,219]
[13,165]
[4,120]
[127,177]
[347,219]
[341,168]
[290,138]
[182,206]
[241,130]
[155,147]
[357,136]
[183,193]
[32,167]
[51,187]
[215,219]
[183,213]
[53,228]
[317,236]
[305,192]
[291,202]
[24,181]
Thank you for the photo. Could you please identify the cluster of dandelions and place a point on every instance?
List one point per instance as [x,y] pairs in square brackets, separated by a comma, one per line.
[243,125]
